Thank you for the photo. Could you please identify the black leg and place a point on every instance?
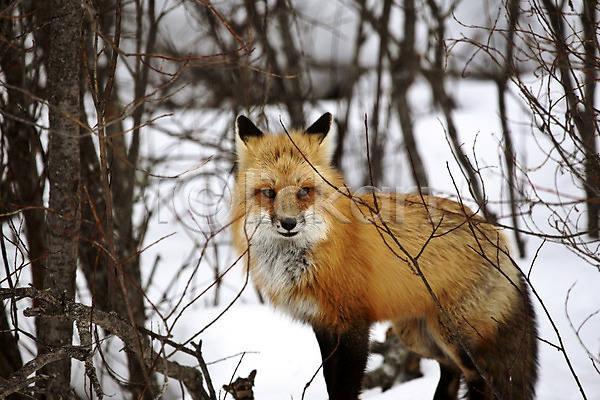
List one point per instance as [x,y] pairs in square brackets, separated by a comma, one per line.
[344,357]
[447,388]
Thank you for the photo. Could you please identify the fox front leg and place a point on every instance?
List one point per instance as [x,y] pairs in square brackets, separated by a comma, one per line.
[344,357]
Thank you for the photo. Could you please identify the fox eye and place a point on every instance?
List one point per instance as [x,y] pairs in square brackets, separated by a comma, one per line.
[305,191]
[268,193]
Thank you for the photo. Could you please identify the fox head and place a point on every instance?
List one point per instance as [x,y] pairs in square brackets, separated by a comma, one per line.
[283,181]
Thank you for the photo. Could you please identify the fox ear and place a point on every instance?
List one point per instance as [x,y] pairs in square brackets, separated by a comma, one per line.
[321,127]
[245,128]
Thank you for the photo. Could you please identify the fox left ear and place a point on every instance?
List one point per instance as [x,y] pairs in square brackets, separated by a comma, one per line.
[245,128]
[321,127]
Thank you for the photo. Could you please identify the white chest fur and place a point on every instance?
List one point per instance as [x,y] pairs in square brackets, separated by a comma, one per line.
[282,269]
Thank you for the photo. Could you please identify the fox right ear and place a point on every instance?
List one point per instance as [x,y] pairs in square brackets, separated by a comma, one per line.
[321,127]
[246,129]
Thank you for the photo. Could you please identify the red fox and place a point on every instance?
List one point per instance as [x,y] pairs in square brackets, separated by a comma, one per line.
[341,261]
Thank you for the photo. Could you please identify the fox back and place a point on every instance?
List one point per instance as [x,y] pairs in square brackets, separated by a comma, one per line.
[340,261]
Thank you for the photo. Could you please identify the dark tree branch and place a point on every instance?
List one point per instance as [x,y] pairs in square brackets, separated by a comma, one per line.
[55,305]
[20,381]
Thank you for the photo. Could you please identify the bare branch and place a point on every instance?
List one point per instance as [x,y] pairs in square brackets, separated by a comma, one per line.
[53,305]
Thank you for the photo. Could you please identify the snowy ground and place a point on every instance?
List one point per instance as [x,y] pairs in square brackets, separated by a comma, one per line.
[285,354]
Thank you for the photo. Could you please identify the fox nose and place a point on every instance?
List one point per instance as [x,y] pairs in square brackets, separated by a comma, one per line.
[288,223]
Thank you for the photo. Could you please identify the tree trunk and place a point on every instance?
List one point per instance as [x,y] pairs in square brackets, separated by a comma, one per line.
[404,70]
[22,147]
[509,152]
[435,77]
[23,144]
[347,88]
[142,383]
[294,95]
[63,215]
[589,125]
[374,169]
